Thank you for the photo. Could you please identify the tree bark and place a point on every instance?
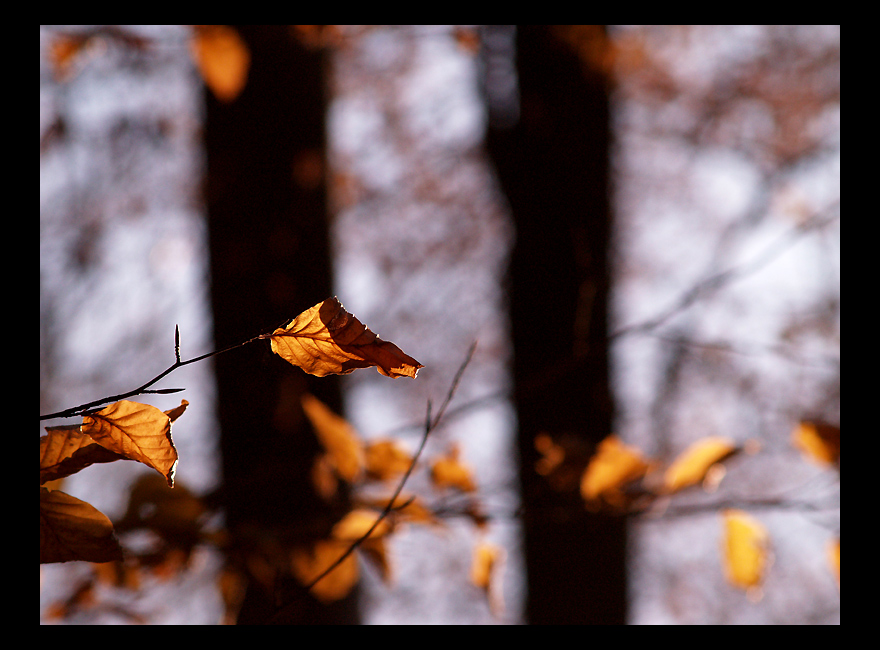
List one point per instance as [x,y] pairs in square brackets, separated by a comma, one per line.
[553,167]
[269,262]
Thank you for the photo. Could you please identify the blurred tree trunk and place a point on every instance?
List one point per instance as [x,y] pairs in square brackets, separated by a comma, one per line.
[269,262]
[553,167]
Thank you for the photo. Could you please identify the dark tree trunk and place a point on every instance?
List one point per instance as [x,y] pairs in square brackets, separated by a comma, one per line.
[553,167]
[269,262]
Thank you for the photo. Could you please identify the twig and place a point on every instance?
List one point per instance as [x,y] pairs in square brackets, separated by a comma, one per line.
[721,279]
[430,425]
[142,390]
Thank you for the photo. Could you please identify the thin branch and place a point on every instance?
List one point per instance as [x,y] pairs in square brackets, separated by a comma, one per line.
[430,425]
[141,390]
[716,281]
[757,503]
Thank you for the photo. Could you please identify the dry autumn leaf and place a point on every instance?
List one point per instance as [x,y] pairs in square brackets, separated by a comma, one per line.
[356,523]
[834,559]
[745,549]
[307,563]
[486,560]
[66,450]
[611,468]
[337,436]
[71,529]
[691,465]
[449,471]
[328,340]
[406,508]
[223,59]
[136,431]
[385,459]
[818,441]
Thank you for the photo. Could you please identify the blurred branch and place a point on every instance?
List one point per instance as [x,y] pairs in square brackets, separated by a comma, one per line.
[719,280]
[430,425]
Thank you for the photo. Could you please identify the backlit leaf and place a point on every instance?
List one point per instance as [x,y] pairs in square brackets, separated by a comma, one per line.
[223,59]
[177,411]
[71,529]
[66,450]
[611,468]
[406,508]
[834,559]
[746,545]
[818,441]
[450,471]
[328,340]
[385,459]
[137,431]
[356,523]
[691,465]
[337,436]
[485,562]
[307,563]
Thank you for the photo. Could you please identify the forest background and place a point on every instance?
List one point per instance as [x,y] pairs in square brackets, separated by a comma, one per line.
[492,184]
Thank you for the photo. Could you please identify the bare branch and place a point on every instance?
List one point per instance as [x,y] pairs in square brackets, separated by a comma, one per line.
[430,425]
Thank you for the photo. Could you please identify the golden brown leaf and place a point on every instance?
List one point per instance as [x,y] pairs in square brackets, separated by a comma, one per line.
[177,411]
[328,340]
[552,455]
[484,567]
[818,441]
[137,431]
[611,468]
[834,559]
[385,459]
[337,436]
[310,562]
[66,450]
[356,523]
[406,508]
[223,59]
[746,545]
[71,529]
[449,471]
[691,465]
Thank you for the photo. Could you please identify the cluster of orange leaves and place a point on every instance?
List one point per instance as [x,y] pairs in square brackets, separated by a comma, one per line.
[619,478]
[365,464]
[325,339]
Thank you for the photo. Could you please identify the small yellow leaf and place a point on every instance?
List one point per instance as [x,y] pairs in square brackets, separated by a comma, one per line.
[746,543]
[328,340]
[611,468]
[834,559]
[307,563]
[337,436]
[407,508]
[223,60]
[484,559]
[818,441]
[449,471]
[356,523]
[385,459]
[692,464]
[484,567]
